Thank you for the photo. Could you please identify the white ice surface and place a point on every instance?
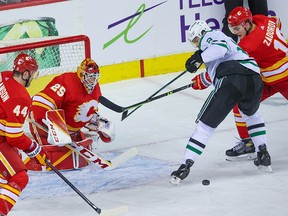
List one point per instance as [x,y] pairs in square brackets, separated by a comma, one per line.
[160,131]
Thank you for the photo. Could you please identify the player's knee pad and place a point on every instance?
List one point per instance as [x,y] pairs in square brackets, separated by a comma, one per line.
[256,118]
[19,180]
[203,132]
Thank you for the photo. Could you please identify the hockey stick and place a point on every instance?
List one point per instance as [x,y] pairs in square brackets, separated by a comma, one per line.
[90,156]
[115,211]
[109,104]
[125,113]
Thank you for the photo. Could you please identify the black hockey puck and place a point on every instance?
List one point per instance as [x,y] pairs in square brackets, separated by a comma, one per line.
[205,182]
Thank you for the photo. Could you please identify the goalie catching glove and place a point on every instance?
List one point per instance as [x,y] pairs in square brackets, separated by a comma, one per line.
[201,81]
[194,62]
[103,127]
[37,152]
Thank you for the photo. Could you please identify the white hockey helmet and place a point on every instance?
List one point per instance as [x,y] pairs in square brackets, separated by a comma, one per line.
[197,29]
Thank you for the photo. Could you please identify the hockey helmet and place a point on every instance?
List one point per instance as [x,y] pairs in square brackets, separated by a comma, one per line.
[239,15]
[24,62]
[89,74]
[196,30]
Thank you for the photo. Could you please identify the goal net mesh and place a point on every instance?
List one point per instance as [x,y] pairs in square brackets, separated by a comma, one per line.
[54,55]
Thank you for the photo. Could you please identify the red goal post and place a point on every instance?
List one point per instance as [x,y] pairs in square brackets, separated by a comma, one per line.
[54,55]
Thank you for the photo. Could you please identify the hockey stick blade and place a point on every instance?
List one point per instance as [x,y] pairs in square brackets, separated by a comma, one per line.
[109,104]
[100,161]
[122,158]
[125,114]
[115,211]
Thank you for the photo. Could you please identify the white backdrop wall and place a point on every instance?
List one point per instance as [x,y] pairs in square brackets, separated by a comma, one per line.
[125,30]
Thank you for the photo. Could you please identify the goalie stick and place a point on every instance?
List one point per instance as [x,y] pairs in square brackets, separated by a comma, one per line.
[109,212]
[125,114]
[109,104]
[90,156]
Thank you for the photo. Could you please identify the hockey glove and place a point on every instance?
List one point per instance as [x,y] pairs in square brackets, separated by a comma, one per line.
[37,152]
[201,81]
[103,127]
[194,62]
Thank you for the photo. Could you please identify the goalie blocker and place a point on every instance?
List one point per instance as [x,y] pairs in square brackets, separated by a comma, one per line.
[60,156]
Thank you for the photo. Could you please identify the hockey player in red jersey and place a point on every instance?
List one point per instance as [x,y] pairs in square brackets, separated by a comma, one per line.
[14,106]
[76,93]
[260,36]
[256,7]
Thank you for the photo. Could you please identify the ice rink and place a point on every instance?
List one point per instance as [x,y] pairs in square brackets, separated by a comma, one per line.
[160,131]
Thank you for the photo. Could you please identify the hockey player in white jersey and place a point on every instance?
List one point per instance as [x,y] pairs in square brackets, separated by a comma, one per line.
[236,79]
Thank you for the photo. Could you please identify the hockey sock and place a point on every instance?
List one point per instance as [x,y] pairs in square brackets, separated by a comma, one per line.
[197,141]
[240,124]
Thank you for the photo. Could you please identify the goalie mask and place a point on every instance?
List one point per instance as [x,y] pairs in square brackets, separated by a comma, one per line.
[88,73]
[196,32]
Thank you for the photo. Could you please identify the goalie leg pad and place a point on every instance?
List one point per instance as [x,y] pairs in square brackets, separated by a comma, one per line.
[62,158]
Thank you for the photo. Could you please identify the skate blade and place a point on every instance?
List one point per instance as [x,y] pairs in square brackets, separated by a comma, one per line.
[265,168]
[245,157]
[175,180]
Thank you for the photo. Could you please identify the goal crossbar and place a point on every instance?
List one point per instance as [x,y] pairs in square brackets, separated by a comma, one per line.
[24,44]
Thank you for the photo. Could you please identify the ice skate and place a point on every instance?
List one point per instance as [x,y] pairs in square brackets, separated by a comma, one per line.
[244,150]
[182,172]
[263,160]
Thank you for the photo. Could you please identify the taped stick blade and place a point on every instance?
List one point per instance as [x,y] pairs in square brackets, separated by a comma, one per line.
[122,158]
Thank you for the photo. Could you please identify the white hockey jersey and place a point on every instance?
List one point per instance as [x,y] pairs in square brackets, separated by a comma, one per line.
[218,48]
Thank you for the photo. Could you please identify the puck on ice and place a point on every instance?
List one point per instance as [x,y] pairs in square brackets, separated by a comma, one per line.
[205,182]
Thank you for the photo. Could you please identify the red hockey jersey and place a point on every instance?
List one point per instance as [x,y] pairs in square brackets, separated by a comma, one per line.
[15,103]
[268,47]
[68,93]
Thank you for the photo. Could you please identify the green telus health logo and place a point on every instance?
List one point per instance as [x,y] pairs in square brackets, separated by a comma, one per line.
[133,19]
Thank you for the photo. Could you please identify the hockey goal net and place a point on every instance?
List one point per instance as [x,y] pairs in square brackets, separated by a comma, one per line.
[54,55]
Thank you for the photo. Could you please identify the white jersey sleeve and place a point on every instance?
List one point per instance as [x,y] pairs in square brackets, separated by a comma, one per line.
[218,48]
